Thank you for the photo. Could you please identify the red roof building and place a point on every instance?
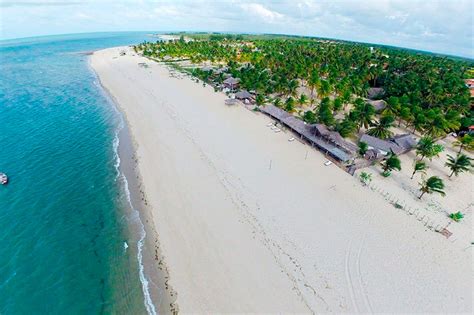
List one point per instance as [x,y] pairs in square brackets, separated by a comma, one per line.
[470,83]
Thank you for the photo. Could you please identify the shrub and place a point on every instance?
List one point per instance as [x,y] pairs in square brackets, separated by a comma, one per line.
[365,178]
[456,216]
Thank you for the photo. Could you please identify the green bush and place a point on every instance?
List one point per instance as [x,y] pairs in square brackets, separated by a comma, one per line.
[456,216]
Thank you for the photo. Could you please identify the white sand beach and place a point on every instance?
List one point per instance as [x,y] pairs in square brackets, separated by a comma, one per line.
[251,223]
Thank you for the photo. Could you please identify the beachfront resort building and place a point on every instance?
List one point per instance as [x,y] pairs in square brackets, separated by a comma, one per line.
[231,83]
[329,142]
[379,148]
[470,85]
[244,96]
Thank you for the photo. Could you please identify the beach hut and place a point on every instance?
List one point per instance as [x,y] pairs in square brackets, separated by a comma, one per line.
[399,144]
[379,105]
[382,146]
[231,83]
[375,93]
[405,141]
[244,96]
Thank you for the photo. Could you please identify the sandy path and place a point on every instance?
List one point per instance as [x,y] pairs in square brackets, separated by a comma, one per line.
[250,222]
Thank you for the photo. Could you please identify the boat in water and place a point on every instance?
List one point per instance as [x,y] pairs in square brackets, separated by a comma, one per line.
[3,179]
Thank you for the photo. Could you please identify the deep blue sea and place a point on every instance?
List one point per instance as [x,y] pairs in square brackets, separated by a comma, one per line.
[63,224]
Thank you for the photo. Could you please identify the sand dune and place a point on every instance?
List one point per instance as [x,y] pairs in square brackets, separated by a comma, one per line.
[250,222]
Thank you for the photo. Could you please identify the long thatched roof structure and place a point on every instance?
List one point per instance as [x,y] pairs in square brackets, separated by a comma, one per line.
[317,135]
[399,144]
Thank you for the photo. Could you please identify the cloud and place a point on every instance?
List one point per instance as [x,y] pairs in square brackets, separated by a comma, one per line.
[262,12]
[435,25]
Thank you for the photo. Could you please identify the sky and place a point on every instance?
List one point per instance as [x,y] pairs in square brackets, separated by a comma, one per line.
[443,26]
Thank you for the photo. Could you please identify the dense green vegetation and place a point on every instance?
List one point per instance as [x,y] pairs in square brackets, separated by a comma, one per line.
[424,92]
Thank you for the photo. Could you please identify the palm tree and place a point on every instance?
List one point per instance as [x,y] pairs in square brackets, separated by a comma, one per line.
[382,128]
[290,104]
[277,102]
[466,142]
[313,83]
[365,178]
[420,166]
[324,88]
[363,147]
[302,100]
[292,87]
[364,113]
[427,147]
[460,163]
[431,185]
[259,99]
[393,106]
[391,163]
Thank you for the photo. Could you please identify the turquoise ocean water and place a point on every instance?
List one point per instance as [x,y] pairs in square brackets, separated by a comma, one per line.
[63,220]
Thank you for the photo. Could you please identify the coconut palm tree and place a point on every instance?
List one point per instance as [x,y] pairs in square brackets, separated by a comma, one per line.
[434,184]
[460,163]
[277,101]
[364,113]
[324,88]
[381,129]
[465,142]
[427,147]
[420,166]
[309,117]
[363,147]
[392,162]
[292,87]
[290,104]
[313,83]
[393,106]
[259,99]
[302,99]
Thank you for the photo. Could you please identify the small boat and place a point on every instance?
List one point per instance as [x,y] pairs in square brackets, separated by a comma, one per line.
[291,139]
[3,179]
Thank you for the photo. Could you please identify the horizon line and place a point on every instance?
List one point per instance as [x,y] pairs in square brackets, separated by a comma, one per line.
[245,33]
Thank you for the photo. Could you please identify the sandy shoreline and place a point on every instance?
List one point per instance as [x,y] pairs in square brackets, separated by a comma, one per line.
[162,296]
[249,222]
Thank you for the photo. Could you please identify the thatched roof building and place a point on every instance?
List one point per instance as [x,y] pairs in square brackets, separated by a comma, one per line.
[318,135]
[243,95]
[231,82]
[399,144]
[405,141]
[375,92]
[383,146]
[379,105]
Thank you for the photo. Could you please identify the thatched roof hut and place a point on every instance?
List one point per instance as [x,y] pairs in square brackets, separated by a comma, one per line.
[405,141]
[231,82]
[399,144]
[243,95]
[383,146]
[379,105]
[375,92]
